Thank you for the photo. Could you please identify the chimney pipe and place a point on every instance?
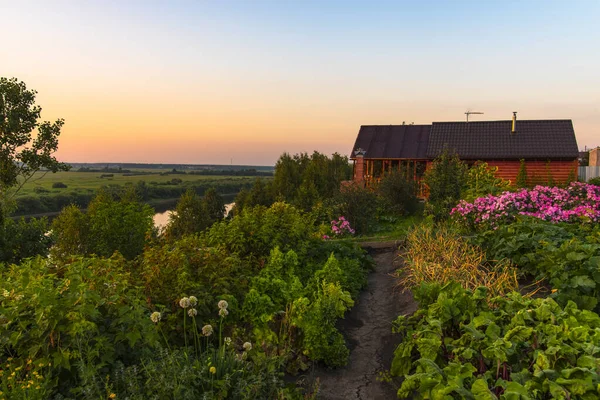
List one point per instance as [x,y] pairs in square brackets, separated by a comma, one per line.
[514,122]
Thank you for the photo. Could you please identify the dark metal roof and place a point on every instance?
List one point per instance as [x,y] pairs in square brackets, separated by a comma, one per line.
[485,140]
[393,141]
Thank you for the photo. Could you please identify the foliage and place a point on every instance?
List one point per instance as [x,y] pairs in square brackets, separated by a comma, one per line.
[21,152]
[359,205]
[59,185]
[77,318]
[187,267]
[446,180]
[458,345]
[322,340]
[522,178]
[578,202]
[398,193]
[109,225]
[436,254]
[304,180]
[482,181]
[566,256]
[194,214]
[22,239]
[261,194]
[594,181]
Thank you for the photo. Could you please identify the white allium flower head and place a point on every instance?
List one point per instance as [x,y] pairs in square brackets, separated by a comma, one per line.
[192,312]
[193,301]
[184,302]
[223,304]
[155,317]
[207,330]
[247,346]
[223,312]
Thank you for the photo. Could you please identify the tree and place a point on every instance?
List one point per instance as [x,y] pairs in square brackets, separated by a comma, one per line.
[109,225]
[446,181]
[26,144]
[188,218]
[214,206]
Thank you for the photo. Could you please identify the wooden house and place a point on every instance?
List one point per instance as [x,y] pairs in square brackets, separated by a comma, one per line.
[548,147]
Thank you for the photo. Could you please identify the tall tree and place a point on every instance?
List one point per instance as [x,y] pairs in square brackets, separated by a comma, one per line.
[26,143]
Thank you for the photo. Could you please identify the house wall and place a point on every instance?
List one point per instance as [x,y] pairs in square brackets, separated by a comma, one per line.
[594,161]
[537,171]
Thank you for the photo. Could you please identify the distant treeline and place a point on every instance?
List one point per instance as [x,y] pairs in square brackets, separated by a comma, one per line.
[175,171]
[103,167]
[55,202]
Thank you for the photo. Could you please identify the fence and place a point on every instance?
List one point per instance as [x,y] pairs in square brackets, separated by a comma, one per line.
[587,173]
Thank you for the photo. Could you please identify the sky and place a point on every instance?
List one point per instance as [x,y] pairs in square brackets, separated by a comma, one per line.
[219,82]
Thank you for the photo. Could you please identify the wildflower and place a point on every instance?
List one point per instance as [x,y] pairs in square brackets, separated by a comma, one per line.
[112,396]
[247,346]
[223,304]
[213,370]
[184,302]
[223,312]
[192,312]
[227,341]
[207,330]
[154,317]
[325,237]
[193,301]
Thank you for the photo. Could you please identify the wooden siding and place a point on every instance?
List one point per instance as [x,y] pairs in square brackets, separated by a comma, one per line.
[537,171]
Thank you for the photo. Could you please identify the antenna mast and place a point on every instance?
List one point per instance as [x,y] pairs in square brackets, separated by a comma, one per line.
[471,112]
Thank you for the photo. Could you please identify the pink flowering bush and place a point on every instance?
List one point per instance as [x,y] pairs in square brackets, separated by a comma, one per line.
[341,227]
[577,202]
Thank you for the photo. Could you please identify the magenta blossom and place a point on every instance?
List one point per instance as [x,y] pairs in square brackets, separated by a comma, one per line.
[579,201]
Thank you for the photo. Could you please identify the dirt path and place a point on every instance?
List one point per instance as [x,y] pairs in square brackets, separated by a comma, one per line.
[367,329]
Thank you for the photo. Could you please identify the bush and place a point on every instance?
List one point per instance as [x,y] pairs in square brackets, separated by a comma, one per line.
[59,185]
[359,205]
[108,226]
[23,239]
[39,189]
[594,181]
[446,179]
[398,193]
[482,181]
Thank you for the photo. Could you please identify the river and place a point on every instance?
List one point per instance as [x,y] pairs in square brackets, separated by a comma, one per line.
[161,219]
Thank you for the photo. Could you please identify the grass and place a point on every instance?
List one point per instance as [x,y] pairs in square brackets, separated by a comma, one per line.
[391,228]
[92,181]
[439,255]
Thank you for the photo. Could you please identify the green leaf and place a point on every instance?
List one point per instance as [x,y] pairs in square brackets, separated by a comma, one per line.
[481,390]
[518,334]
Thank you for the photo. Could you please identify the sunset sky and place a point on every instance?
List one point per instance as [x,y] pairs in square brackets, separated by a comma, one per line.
[243,81]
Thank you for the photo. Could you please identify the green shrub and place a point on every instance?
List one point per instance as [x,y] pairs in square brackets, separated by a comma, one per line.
[78,317]
[594,181]
[398,193]
[446,179]
[358,205]
[59,185]
[22,239]
[482,180]
[109,225]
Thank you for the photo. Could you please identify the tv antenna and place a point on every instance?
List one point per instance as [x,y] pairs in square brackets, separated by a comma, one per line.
[471,112]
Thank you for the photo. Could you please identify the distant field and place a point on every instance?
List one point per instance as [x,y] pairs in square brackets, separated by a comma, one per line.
[38,197]
[91,181]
